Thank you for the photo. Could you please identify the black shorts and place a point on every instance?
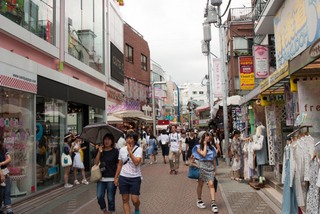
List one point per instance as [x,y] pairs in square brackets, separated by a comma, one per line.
[129,185]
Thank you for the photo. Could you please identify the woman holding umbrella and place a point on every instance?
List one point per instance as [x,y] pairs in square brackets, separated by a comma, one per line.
[128,175]
[108,157]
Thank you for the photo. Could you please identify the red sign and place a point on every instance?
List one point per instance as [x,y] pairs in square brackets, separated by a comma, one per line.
[163,122]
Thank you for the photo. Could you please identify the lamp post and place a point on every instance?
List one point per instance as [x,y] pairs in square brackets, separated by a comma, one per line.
[153,105]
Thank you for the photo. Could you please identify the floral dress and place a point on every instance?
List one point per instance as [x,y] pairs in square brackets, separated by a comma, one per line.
[313,199]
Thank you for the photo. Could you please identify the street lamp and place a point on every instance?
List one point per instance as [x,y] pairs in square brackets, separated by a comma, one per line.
[153,105]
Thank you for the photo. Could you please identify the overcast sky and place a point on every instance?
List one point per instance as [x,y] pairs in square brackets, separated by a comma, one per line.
[173,30]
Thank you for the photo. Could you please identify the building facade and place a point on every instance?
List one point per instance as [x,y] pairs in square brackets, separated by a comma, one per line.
[56,62]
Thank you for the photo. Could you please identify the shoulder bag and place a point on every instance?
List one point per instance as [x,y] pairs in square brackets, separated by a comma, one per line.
[193,172]
[65,160]
[95,173]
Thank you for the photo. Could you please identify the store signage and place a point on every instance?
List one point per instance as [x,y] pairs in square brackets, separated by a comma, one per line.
[217,78]
[117,64]
[115,95]
[261,61]
[16,78]
[315,49]
[275,77]
[246,73]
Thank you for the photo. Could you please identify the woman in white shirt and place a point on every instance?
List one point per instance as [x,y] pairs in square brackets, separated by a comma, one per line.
[163,139]
[128,175]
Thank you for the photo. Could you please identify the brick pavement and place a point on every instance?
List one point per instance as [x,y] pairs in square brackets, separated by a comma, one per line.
[161,193]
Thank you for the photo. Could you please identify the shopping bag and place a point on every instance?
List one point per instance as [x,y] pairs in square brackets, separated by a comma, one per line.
[95,173]
[65,160]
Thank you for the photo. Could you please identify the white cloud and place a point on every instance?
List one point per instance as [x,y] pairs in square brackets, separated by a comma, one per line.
[173,30]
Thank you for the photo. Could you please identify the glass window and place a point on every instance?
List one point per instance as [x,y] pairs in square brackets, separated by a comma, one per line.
[95,115]
[16,131]
[35,16]
[51,127]
[85,32]
[129,53]
[194,92]
[143,62]
[201,92]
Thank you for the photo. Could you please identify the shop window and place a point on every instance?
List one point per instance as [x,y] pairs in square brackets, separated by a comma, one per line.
[50,129]
[201,92]
[85,32]
[16,131]
[129,53]
[35,16]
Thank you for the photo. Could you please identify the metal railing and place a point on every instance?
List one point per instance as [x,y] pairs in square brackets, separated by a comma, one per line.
[241,14]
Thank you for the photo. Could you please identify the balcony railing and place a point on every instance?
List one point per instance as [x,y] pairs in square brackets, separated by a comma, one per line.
[241,14]
[259,8]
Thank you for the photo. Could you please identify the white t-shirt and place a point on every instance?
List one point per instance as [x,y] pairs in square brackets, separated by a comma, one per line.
[164,138]
[183,144]
[174,141]
[130,170]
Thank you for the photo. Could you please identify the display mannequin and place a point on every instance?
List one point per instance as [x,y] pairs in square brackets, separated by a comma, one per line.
[261,155]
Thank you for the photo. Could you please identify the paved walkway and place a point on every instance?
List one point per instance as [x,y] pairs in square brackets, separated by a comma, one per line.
[160,193]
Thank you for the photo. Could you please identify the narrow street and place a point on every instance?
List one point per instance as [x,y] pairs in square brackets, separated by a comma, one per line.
[160,193]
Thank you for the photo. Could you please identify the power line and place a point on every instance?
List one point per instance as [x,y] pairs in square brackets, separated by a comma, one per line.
[225,10]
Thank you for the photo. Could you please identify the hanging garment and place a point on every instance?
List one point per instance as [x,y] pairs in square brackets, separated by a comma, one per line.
[262,157]
[299,157]
[245,161]
[310,148]
[289,200]
[313,199]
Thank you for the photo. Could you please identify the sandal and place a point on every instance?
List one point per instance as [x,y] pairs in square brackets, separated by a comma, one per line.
[214,208]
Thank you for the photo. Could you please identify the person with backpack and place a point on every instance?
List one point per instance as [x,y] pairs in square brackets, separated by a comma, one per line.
[191,141]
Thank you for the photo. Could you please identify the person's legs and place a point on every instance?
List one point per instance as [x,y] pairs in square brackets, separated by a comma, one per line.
[125,203]
[171,160]
[6,196]
[111,192]
[66,174]
[101,186]
[136,202]
[75,173]
[177,160]
[214,206]
[200,203]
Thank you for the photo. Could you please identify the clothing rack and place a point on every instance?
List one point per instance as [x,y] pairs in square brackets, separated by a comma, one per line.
[298,129]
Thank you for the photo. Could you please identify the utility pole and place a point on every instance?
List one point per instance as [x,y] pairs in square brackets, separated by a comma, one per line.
[224,84]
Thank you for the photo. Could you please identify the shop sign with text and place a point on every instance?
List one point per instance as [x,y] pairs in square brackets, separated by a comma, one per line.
[261,61]
[246,73]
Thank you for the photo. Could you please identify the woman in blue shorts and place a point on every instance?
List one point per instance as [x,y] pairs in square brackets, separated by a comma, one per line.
[128,175]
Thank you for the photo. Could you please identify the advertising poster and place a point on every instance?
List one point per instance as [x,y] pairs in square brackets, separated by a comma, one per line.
[261,61]
[246,70]
[309,104]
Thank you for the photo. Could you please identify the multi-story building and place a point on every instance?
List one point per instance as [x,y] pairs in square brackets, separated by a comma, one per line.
[286,37]
[136,82]
[57,58]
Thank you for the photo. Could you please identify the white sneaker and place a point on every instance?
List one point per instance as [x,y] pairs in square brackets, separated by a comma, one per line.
[201,204]
[84,181]
[214,208]
[68,185]
[3,184]
[76,182]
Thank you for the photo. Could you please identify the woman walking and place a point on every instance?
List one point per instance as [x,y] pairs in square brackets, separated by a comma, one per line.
[152,149]
[163,139]
[108,158]
[77,162]
[128,175]
[206,154]
[67,151]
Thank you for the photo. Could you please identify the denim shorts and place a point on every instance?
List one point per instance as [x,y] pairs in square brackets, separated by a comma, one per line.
[129,185]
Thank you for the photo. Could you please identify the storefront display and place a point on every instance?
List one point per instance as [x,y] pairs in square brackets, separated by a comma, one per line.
[16,128]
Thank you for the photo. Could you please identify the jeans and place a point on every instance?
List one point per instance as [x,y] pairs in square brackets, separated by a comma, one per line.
[111,192]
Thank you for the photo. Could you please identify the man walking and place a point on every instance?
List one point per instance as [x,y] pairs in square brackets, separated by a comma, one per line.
[175,150]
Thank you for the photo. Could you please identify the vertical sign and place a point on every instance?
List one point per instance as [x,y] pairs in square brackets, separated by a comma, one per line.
[217,74]
[246,73]
[117,64]
[261,61]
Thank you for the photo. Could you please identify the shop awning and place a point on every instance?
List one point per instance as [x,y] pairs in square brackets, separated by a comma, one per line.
[254,93]
[161,127]
[203,108]
[128,113]
[114,120]
[146,118]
